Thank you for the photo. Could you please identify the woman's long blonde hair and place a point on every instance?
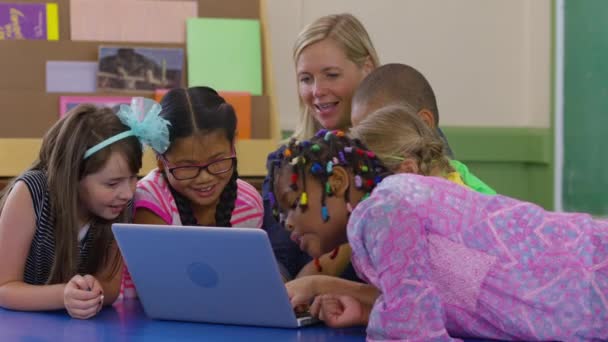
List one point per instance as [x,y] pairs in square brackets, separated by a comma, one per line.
[61,158]
[348,32]
[395,132]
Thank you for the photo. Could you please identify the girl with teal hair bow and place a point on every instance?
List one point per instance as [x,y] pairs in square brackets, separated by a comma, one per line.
[196,182]
[56,246]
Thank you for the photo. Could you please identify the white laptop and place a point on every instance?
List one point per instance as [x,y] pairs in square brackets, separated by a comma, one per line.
[207,274]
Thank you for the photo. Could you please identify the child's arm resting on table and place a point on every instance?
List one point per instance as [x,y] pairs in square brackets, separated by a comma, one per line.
[81,296]
[17,228]
[390,250]
[303,290]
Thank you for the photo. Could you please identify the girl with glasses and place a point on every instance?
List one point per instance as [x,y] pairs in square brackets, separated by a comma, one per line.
[196,182]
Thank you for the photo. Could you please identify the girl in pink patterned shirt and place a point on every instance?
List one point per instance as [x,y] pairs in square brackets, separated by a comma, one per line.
[447,262]
[196,182]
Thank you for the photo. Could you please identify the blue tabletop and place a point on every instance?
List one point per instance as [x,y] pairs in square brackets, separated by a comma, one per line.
[126,321]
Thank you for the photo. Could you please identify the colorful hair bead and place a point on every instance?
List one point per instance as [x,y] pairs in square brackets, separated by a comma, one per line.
[371,154]
[330,167]
[334,253]
[348,149]
[335,161]
[294,161]
[316,168]
[322,132]
[324,214]
[360,152]
[327,136]
[318,265]
[364,168]
[305,143]
[271,198]
[369,183]
[303,199]
[327,188]
[342,158]
[366,196]
[358,182]
[378,179]
[315,148]
[294,181]
[339,133]
[287,153]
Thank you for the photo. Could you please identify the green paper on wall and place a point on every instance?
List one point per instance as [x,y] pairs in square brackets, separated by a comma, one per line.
[225,54]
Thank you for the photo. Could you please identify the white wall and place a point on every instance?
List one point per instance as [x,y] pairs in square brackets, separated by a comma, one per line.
[487,60]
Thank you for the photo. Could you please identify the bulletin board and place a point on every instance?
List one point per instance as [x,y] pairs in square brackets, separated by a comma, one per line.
[27,110]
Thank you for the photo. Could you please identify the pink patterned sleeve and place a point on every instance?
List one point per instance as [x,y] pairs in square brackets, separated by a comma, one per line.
[390,251]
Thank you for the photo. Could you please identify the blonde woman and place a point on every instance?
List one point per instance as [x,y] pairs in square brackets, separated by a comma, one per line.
[332,56]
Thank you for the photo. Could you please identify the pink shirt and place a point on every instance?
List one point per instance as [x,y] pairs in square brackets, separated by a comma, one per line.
[450,262]
[153,193]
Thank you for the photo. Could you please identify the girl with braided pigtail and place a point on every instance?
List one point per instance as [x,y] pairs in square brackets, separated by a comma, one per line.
[323,178]
[344,154]
[196,182]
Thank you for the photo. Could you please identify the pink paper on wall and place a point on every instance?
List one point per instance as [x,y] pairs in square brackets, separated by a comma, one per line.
[69,102]
[131,21]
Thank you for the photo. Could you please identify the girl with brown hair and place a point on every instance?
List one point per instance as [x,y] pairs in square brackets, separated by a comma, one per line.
[56,247]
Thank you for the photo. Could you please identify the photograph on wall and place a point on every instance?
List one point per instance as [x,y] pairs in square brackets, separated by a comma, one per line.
[137,69]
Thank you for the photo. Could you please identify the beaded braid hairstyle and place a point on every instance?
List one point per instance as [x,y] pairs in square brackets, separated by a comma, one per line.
[201,110]
[318,156]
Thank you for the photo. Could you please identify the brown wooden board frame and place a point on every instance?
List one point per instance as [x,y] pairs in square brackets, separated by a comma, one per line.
[27,111]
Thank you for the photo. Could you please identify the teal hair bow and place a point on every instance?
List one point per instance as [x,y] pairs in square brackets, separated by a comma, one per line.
[145,123]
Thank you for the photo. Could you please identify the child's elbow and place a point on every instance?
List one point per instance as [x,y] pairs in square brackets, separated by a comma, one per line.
[3,298]
[7,301]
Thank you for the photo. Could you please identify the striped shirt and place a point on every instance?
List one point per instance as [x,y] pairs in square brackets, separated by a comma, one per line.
[42,250]
[153,193]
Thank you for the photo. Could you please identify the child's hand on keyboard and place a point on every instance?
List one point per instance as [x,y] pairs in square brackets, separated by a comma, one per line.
[301,291]
[302,310]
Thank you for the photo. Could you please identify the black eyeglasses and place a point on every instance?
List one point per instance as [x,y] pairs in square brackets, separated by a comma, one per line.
[215,167]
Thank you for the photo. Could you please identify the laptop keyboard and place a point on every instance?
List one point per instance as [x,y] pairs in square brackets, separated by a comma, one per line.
[302,310]
[302,313]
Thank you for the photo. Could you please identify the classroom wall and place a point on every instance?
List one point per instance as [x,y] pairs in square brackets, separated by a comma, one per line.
[489,63]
